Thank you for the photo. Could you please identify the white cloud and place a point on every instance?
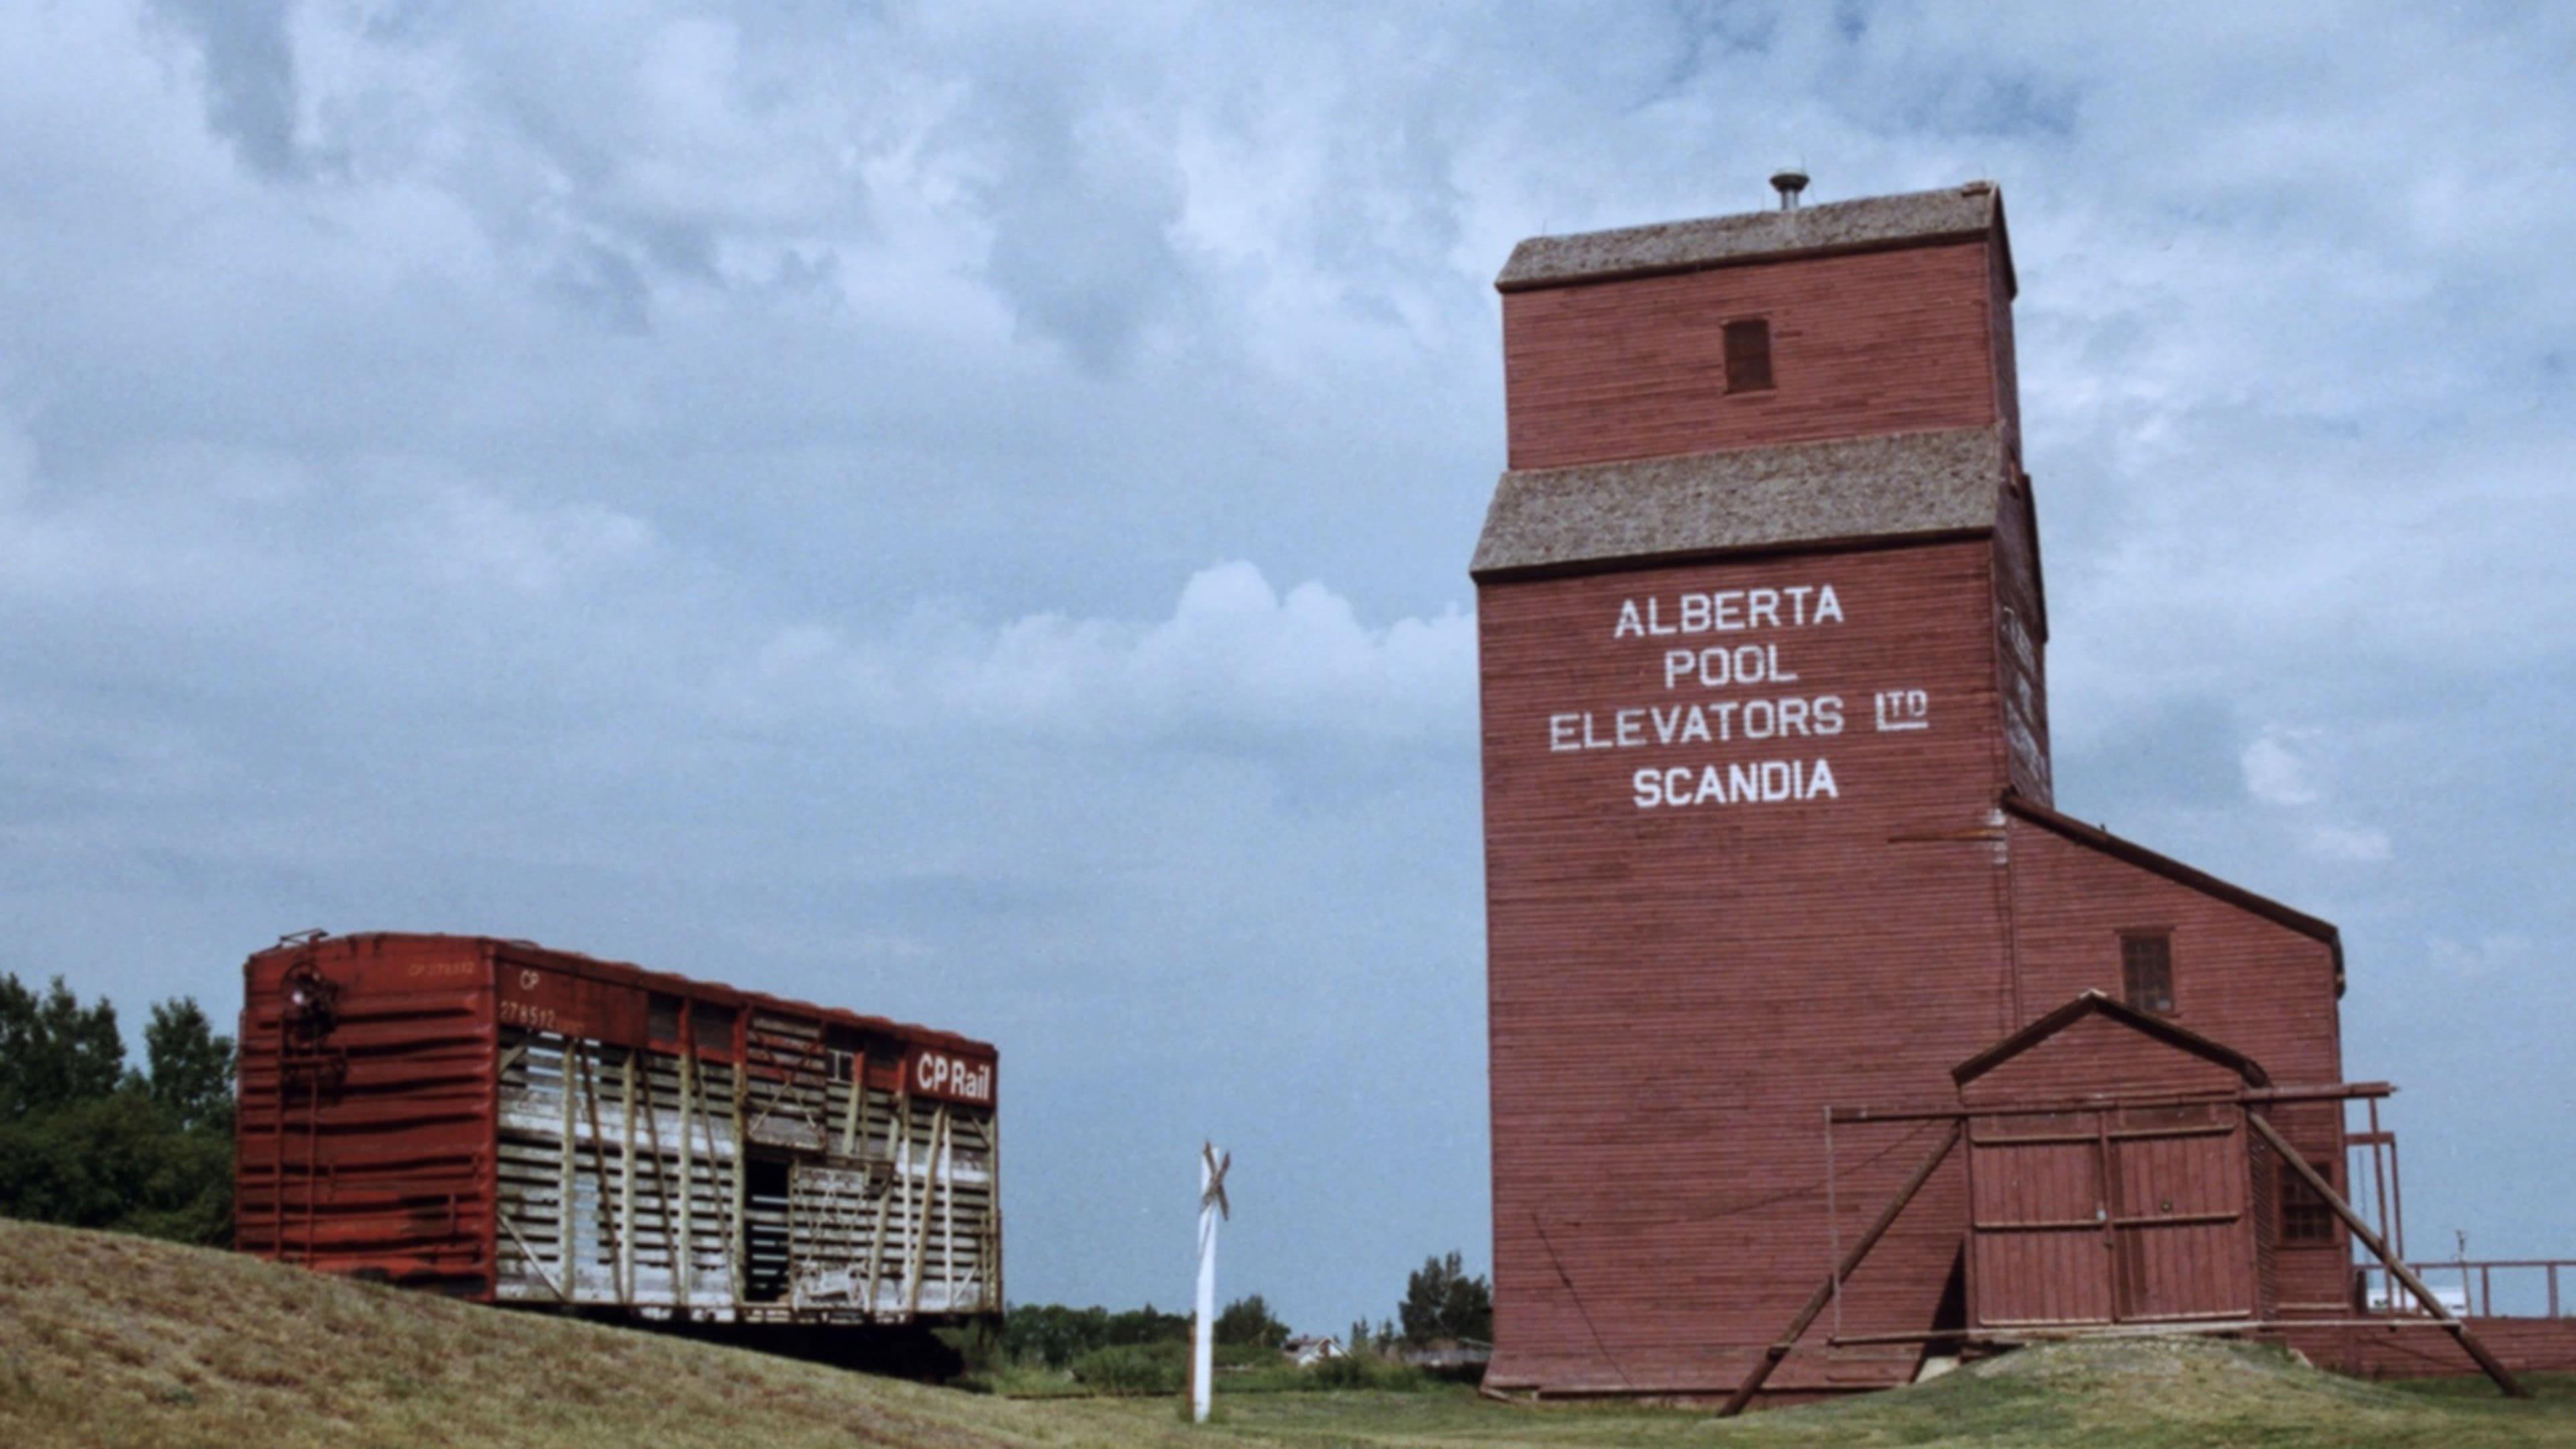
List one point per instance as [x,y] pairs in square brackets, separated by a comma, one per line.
[2477,960]
[474,538]
[2358,844]
[1234,656]
[2283,772]
[2275,774]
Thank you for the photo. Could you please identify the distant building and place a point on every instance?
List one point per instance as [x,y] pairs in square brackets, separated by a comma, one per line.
[1448,1355]
[1305,1351]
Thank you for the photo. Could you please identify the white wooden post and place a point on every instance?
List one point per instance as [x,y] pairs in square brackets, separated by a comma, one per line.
[1212,1205]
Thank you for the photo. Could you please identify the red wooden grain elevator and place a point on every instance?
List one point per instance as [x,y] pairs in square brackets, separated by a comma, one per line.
[1770,833]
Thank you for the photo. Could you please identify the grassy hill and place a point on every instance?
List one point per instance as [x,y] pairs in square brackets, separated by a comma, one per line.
[109,1340]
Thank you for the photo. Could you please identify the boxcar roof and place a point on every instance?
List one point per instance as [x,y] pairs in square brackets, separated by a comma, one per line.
[627,973]
[1958,213]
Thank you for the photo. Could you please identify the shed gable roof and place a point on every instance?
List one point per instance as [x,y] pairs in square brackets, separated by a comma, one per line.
[2095,1004]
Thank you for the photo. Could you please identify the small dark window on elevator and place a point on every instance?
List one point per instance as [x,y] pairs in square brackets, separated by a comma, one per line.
[662,1017]
[2146,971]
[1748,356]
[2305,1218]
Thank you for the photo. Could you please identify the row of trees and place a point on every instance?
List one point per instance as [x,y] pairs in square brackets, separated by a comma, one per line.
[88,1141]
[1055,1335]
[1441,1303]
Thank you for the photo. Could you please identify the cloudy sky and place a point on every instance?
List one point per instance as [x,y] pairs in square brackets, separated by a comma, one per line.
[962,512]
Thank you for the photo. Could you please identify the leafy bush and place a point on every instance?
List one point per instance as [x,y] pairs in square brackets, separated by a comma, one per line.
[1055,1335]
[1245,1356]
[1367,1371]
[1134,1368]
[1345,1372]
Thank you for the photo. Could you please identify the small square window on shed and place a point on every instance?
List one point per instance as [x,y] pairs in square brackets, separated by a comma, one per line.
[1748,356]
[2305,1218]
[2146,971]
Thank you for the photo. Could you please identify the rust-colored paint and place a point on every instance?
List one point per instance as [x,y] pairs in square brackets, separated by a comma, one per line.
[1848,899]
[421,1109]
[1892,341]
[2412,1348]
[2139,1210]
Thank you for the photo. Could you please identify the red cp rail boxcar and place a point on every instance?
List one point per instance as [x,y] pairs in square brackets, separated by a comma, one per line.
[511,1124]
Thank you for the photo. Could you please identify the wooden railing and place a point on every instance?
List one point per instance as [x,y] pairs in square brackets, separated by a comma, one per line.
[2473,1281]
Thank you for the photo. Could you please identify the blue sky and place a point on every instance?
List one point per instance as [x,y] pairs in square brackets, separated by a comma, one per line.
[962,512]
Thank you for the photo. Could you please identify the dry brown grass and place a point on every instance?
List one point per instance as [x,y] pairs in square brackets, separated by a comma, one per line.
[106,1340]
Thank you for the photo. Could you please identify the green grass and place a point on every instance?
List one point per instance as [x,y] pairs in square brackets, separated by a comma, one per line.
[109,1340]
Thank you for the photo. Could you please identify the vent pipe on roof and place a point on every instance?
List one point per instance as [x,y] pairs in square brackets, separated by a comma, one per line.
[1789,181]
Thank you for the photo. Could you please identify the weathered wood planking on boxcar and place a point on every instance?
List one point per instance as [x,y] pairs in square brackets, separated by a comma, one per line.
[510,1124]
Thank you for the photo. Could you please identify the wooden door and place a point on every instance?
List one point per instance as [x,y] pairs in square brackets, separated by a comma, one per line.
[2039,1221]
[2185,1242]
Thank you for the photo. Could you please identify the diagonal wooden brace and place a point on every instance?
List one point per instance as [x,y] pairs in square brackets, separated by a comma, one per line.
[2317,1184]
[1788,1339]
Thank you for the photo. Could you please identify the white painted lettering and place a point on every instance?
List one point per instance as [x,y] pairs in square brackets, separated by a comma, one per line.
[1560,733]
[1628,622]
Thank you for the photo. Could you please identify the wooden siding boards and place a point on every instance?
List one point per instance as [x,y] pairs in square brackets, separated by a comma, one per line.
[1661,1055]
[1675,995]
[2021,642]
[1884,342]
[2524,1345]
[2077,1232]
[2262,986]
[506,1123]
[2096,1052]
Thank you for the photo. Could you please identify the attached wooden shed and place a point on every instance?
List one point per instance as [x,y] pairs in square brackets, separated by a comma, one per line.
[2112,1176]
